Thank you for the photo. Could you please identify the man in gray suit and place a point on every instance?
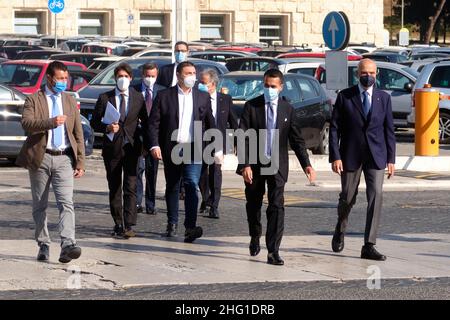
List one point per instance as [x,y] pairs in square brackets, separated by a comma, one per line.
[53,153]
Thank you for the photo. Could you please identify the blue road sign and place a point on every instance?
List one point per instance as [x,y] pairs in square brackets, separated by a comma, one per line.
[56,6]
[336,30]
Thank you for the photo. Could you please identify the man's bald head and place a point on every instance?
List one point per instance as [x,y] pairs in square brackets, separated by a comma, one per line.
[367,67]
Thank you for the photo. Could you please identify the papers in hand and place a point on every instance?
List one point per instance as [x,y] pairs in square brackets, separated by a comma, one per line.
[111,116]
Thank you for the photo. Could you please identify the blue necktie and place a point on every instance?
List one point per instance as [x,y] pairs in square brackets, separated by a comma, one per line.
[57,134]
[366,103]
[270,128]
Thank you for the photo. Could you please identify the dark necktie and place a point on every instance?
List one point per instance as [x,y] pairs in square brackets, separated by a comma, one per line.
[270,128]
[122,108]
[366,103]
[148,100]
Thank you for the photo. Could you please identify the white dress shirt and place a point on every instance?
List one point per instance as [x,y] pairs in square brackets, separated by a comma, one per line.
[144,90]
[214,105]
[185,116]
[66,142]
[174,78]
[126,97]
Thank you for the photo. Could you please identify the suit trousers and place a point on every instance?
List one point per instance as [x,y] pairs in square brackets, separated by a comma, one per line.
[124,161]
[58,171]
[149,165]
[254,194]
[211,184]
[374,193]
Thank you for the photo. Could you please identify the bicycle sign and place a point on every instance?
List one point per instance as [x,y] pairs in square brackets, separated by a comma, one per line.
[56,6]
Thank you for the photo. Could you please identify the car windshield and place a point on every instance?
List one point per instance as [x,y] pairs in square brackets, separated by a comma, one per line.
[21,75]
[241,88]
[412,72]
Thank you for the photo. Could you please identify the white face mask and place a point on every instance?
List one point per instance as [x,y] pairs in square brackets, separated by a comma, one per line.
[123,83]
[149,81]
[189,81]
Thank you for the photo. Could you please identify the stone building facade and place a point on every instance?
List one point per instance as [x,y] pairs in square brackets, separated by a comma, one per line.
[288,22]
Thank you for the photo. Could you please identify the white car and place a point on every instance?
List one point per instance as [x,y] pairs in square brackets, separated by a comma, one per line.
[103,62]
[153,53]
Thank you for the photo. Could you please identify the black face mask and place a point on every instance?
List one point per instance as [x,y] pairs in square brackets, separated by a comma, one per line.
[367,81]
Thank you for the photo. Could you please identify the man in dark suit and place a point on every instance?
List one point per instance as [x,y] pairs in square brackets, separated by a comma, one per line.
[146,163]
[362,140]
[122,152]
[179,117]
[222,108]
[167,75]
[276,117]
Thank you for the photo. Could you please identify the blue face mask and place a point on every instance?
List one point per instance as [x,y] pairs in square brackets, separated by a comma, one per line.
[180,56]
[203,87]
[270,94]
[60,86]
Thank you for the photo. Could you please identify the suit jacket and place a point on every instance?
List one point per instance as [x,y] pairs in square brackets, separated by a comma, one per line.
[165,116]
[165,75]
[353,137]
[36,123]
[254,117]
[225,116]
[136,111]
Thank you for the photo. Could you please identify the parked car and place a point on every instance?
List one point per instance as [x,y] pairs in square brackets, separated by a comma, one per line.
[73,44]
[314,55]
[8,93]
[438,75]
[132,51]
[220,56]
[418,65]
[10,52]
[298,66]
[105,80]
[250,49]
[312,107]
[153,53]
[36,54]
[81,57]
[254,63]
[104,47]
[386,56]
[28,76]
[395,79]
[101,63]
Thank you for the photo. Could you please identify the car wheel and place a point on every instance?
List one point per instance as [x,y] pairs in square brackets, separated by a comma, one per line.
[444,127]
[323,147]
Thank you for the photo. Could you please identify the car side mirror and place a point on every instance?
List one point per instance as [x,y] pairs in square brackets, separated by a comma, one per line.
[408,87]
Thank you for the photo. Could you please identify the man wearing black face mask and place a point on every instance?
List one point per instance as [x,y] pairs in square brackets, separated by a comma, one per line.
[362,139]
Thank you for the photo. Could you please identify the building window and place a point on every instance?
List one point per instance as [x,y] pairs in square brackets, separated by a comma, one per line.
[91,24]
[270,29]
[152,25]
[28,22]
[212,27]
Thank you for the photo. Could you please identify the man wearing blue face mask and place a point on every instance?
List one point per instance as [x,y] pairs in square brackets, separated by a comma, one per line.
[53,153]
[270,113]
[362,140]
[167,76]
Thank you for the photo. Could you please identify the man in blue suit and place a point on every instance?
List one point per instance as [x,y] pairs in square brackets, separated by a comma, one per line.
[362,140]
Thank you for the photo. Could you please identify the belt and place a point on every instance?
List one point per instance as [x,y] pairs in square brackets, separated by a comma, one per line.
[59,152]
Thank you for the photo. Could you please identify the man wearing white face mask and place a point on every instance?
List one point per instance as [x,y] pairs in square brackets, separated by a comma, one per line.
[146,162]
[168,76]
[122,152]
[177,108]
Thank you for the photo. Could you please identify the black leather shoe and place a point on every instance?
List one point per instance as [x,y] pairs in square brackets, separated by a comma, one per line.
[337,244]
[171,230]
[193,233]
[213,213]
[275,259]
[254,247]
[152,212]
[44,253]
[202,207]
[69,253]
[117,231]
[368,251]
[139,209]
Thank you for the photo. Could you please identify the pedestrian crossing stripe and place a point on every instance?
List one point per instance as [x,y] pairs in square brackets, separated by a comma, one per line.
[236,193]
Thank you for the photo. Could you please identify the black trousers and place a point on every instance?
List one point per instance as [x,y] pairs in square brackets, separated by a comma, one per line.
[211,184]
[254,194]
[123,160]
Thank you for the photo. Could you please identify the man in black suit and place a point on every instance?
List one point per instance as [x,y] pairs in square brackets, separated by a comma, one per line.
[362,139]
[222,108]
[179,117]
[122,152]
[167,75]
[146,162]
[276,117]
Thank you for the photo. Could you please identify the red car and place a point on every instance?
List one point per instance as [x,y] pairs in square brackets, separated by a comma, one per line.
[28,76]
[350,57]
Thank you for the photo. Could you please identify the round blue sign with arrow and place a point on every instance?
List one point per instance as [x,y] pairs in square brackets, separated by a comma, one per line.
[336,30]
[56,6]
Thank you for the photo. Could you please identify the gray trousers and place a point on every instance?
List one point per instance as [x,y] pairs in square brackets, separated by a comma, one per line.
[374,193]
[58,171]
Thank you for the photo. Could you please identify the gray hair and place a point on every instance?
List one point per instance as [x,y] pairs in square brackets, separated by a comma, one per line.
[213,76]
